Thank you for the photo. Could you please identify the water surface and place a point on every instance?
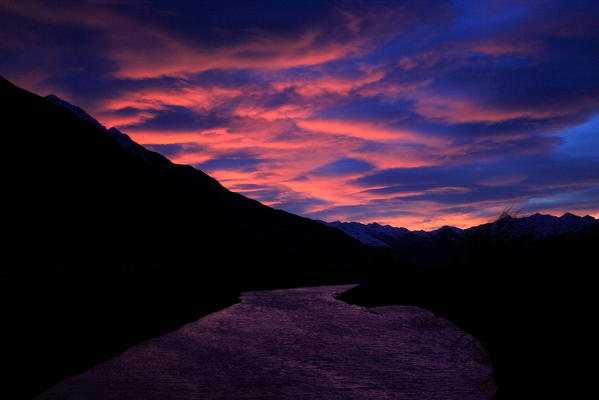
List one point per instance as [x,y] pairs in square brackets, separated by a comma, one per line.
[296,344]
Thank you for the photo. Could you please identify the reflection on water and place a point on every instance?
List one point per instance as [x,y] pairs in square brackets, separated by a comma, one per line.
[296,344]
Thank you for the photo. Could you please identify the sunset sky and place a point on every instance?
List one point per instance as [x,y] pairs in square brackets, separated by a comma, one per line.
[411,113]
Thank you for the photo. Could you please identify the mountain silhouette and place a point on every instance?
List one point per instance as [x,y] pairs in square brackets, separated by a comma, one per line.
[446,244]
[107,243]
[74,189]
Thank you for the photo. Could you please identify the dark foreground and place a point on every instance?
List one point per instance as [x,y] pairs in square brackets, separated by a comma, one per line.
[535,324]
[296,343]
[61,321]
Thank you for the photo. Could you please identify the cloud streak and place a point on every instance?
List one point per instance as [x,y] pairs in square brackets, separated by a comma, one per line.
[416,114]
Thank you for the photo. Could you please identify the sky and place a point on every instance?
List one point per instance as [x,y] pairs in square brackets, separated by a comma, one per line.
[409,113]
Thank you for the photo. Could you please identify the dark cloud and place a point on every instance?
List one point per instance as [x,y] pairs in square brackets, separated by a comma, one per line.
[579,201]
[177,118]
[298,204]
[509,180]
[343,166]
[238,161]
[265,195]
[421,178]
[362,212]
[247,186]
[174,150]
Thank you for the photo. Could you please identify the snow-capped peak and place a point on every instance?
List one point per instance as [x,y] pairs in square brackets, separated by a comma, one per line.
[79,112]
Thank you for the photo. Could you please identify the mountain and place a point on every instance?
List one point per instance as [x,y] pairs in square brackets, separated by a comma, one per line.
[408,247]
[372,234]
[76,187]
[446,244]
[107,244]
[123,139]
[535,226]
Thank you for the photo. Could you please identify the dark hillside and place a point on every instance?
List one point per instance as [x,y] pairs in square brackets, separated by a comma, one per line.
[123,246]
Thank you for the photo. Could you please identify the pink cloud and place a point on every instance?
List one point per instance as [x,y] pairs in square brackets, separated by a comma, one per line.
[177,58]
[371,131]
[279,113]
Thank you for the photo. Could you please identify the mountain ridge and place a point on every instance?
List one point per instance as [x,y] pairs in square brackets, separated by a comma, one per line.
[375,234]
[133,175]
[536,225]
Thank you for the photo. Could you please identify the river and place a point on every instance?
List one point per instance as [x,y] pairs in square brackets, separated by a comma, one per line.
[296,344]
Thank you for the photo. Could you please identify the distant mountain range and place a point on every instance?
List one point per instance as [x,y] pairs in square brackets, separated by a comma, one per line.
[535,226]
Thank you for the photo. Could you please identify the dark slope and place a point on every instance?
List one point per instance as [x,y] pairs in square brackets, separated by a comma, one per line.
[530,299]
[126,245]
[76,190]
